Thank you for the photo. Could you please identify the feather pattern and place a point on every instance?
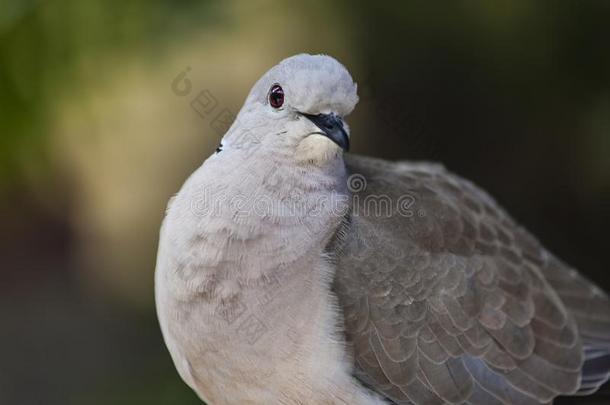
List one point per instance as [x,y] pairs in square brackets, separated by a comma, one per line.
[447,300]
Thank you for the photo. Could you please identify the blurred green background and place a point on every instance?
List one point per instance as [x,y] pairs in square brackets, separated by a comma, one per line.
[95,138]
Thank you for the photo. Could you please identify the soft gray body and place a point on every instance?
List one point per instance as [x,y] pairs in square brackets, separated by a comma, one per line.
[278,281]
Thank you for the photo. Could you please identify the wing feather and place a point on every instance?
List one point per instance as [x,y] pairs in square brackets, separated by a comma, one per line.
[448,300]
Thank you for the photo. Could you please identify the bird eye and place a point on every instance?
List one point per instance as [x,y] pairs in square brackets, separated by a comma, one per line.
[276,96]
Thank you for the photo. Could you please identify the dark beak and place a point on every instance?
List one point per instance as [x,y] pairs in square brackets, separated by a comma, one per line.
[332,126]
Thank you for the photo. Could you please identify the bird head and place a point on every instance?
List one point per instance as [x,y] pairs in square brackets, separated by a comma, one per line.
[297,110]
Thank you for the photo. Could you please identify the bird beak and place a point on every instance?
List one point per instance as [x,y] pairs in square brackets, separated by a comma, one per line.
[331,126]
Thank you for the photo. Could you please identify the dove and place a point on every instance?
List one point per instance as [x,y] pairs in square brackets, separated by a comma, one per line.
[291,272]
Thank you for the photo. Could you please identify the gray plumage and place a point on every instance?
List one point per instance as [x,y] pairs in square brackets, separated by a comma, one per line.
[289,273]
[461,304]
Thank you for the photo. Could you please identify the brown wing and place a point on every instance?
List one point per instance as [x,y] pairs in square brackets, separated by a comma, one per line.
[447,300]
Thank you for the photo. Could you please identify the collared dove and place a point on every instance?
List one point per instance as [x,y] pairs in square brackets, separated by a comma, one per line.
[290,273]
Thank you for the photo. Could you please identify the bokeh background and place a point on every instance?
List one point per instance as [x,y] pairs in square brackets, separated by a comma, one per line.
[97,132]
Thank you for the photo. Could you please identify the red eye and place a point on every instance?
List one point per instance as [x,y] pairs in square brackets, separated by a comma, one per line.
[276,96]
